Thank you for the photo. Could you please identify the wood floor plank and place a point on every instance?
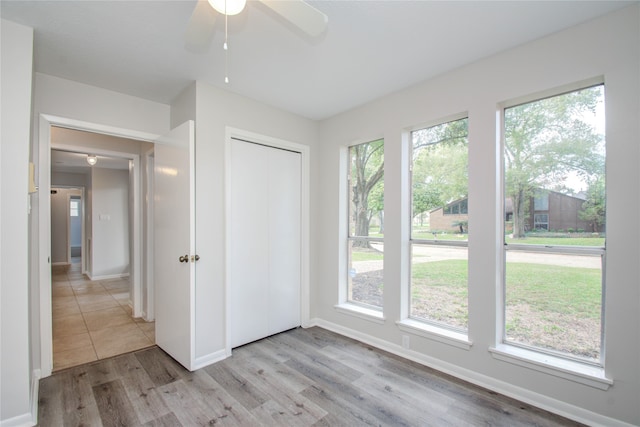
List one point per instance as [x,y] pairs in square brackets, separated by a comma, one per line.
[78,403]
[159,366]
[140,389]
[50,400]
[303,377]
[236,385]
[211,394]
[167,420]
[263,358]
[185,407]
[298,409]
[338,413]
[407,389]
[333,382]
[308,354]
[114,406]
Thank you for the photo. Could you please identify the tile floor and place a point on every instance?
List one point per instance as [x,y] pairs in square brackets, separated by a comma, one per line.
[92,319]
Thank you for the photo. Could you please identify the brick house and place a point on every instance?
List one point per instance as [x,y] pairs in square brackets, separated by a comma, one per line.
[552,211]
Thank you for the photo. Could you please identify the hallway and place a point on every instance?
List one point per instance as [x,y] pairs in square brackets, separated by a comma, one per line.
[92,319]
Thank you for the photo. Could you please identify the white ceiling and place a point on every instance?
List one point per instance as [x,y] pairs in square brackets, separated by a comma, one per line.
[370,48]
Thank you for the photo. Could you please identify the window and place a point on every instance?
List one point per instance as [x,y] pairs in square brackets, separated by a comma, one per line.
[439,215]
[366,225]
[541,222]
[74,207]
[554,157]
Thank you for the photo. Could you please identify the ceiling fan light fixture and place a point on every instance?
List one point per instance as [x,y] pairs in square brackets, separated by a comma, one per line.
[92,160]
[228,7]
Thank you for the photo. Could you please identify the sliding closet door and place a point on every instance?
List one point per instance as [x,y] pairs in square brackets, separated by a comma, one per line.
[264,255]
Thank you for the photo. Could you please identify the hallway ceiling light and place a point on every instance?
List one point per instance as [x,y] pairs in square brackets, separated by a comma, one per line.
[92,160]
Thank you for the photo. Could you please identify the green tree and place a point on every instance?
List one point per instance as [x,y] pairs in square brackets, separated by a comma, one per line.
[440,165]
[593,209]
[546,141]
[367,172]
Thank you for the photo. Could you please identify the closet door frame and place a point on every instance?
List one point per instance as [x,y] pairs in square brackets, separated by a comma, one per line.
[304,150]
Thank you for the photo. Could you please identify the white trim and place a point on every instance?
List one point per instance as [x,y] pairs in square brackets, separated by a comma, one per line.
[524,395]
[209,359]
[305,151]
[109,276]
[44,224]
[432,332]
[375,316]
[35,391]
[60,264]
[149,314]
[593,376]
[19,421]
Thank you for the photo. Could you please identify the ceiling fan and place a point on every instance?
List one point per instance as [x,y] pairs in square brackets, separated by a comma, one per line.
[201,27]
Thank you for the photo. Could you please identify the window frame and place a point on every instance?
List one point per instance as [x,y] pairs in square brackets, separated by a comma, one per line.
[367,310]
[438,331]
[591,370]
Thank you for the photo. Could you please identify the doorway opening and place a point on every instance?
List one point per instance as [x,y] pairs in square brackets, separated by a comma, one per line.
[97,276]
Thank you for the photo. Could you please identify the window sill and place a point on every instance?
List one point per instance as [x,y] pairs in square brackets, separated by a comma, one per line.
[443,335]
[582,373]
[361,312]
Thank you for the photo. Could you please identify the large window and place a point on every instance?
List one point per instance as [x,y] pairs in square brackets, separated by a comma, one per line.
[366,225]
[554,157]
[439,225]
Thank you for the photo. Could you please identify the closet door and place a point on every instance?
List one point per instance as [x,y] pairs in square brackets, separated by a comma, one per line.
[264,255]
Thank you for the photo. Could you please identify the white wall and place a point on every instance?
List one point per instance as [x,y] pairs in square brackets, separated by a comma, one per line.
[110,213]
[607,47]
[69,179]
[15,89]
[214,110]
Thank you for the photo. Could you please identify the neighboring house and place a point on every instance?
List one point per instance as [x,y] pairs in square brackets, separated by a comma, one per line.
[552,211]
[449,217]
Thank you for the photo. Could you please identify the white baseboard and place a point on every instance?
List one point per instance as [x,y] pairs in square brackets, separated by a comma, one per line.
[108,276]
[30,418]
[541,401]
[209,359]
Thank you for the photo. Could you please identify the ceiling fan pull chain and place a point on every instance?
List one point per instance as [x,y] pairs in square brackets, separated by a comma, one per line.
[225,46]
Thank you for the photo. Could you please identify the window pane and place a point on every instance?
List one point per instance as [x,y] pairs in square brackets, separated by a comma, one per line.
[365,273]
[439,276]
[554,158]
[439,176]
[366,224]
[554,183]
[366,189]
[553,301]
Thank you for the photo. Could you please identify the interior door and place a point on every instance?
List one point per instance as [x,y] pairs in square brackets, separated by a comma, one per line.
[265,236]
[174,235]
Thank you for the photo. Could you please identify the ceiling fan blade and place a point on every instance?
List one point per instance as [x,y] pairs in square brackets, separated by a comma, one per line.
[301,14]
[201,28]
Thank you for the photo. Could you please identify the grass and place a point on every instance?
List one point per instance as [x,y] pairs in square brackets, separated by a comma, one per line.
[366,255]
[555,289]
[548,306]
[529,240]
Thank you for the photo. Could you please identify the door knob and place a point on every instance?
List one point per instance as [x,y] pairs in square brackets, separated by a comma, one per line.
[195,258]
[184,258]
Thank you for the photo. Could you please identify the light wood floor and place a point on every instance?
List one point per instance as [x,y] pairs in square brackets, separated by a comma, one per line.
[303,377]
[92,319]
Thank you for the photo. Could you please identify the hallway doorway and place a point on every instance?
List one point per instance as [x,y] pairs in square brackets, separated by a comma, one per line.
[92,319]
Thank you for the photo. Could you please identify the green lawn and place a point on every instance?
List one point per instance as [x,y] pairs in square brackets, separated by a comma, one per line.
[555,307]
[545,288]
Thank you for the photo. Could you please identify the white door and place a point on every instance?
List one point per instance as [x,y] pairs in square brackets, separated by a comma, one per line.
[265,241]
[174,236]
